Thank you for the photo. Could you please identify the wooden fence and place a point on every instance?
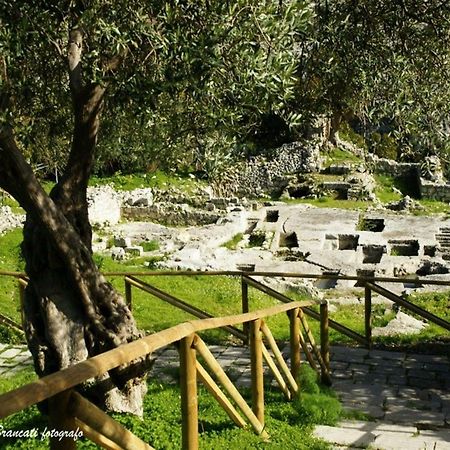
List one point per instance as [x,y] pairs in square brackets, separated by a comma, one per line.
[370,284]
[68,410]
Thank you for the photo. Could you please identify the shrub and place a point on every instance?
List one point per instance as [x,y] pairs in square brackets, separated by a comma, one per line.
[315,404]
[384,146]
[150,246]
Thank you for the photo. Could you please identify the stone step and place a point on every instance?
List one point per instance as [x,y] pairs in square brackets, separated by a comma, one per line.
[442,236]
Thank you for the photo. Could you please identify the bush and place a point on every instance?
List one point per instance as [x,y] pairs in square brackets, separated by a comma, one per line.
[347,133]
[384,146]
[315,404]
[10,336]
[308,380]
[149,246]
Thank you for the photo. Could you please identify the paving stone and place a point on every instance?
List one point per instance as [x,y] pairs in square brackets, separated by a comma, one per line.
[345,436]
[387,369]
[415,373]
[233,351]
[10,353]
[242,362]
[427,358]
[414,416]
[373,379]
[425,383]
[244,382]
[413,365]
[226,361]
[378,427]
[373,411]
[437,367]
[341,375]
[395,441]
[380,354]
[409,392]
[339,365]
[412,403]
[397,380]
[346,354]
[441,434]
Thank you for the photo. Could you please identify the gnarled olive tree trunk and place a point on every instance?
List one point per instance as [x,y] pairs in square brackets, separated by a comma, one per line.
[70,311]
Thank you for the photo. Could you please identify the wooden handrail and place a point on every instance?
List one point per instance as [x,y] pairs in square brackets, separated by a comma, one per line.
[50,385]
[337,326]
[191,273]
[410,306]
[186,307]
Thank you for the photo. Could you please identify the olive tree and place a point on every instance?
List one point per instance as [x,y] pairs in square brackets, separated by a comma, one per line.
[179,67]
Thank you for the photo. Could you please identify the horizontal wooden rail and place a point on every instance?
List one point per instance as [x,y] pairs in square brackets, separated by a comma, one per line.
[272,292]
[410,306]
[50,385]
[96,419]
[337,326]
[7,273]
[10,323]
[179,304]
[191,273]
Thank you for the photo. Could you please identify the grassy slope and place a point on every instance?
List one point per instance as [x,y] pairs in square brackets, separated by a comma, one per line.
[10,260]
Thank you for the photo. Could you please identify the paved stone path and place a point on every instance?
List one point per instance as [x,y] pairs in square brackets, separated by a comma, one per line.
[405,396]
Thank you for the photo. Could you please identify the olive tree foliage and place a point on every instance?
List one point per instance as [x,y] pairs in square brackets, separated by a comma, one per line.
[387,63]
[197,80]
[223,69]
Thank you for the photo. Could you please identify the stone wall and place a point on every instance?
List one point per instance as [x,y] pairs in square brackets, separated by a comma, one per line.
[435,191]
[390,167]
[263,175]
[9,220]
[170,214]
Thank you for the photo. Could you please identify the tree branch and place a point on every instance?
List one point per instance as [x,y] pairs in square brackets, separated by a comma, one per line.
[74,49]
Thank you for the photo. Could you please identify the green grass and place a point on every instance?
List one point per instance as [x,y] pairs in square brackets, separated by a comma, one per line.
[149,246]
[157,179]
[329,202]
[432,207]
[289,427]
[338,155]
[10,260]
[233,242]
[218,295]
[384,190]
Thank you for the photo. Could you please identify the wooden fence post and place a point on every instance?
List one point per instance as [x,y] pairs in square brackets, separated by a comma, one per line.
[368,315]
[60,420]
[128,294]
[324,336]
[188,384]
[244,290]
[22,285]
[295,343]
[256,359]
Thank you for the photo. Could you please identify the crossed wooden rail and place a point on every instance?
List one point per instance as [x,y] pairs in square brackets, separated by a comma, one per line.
[69,410]
[369,283]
